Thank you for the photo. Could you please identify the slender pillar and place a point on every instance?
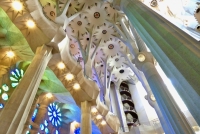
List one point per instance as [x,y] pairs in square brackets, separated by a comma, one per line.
[14,115]
[154,104]
[28,121]
[176,52]
[86,124]
[142,47]
[170,110]
[120,110]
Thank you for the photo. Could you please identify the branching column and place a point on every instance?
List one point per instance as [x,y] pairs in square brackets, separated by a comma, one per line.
[14,115]
[86,125]
[170,110]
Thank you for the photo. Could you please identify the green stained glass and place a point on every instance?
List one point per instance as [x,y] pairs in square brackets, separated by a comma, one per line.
[4,96]
[16,76]
[5,87]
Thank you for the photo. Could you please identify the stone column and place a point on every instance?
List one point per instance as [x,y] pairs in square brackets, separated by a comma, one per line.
[86,124]
[14,115]
[29,118]
[172,114]
[142,47]
[176,52]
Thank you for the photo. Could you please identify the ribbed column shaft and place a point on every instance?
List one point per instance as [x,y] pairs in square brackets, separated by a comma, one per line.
[170,110]
[86,124]
[176,52]
[15,113]
[140,43]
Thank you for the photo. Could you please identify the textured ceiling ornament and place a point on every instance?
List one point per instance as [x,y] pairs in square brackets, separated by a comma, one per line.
[84,40]
[122,74]
[112,47]
[74,48]
[89,3]
[154,3]
[111,11]
[105,32]
[99,55]
[117,61]
[50,11]
[74,7]
[96,14]
[197,14]
[79,24]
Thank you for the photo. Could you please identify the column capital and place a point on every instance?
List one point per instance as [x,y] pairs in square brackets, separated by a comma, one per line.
[142,58]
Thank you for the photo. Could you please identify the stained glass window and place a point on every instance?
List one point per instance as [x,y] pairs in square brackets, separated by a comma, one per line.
[54,114]
[16,76]
[1,106]
[77,130]
[4,96]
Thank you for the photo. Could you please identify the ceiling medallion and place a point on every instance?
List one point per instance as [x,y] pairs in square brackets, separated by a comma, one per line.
[52,13]
[72,45]
[117,59]
[104,32]
[153,3]
[111,46]
[121,71]
[198,10]
[79,23]
[80,59]
[96,15]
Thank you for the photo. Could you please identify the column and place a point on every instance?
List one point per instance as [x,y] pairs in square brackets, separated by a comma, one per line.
[154,104]
[172,114]
[120,110]
[15,113]
[86,124]
[142,47]
[28,121]
[176,52]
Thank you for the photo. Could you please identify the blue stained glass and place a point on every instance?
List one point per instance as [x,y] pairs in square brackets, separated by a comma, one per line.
[56,132]
[77,131]
[46,123]
[37,105]
[17,71]
[41,127]
[46,130]
[34,114]
[54,114]
[30,127]
[1,106]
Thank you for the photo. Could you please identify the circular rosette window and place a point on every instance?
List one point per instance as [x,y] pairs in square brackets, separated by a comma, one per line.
[54,114]
[16,76]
